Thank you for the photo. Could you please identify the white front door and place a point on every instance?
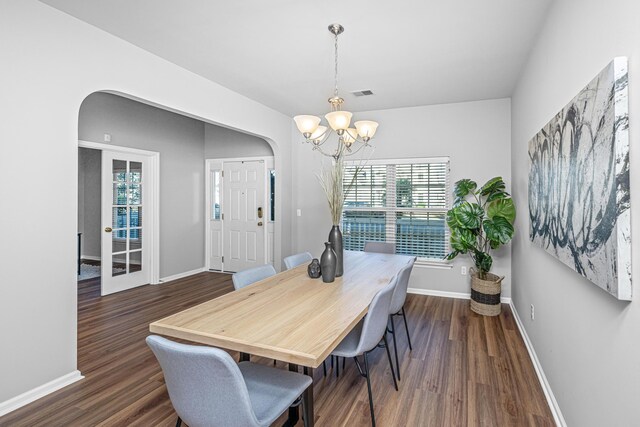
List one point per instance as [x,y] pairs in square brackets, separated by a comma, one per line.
[125,220]
[244,214]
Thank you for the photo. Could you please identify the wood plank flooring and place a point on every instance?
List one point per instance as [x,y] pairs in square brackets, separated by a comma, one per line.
[464,370]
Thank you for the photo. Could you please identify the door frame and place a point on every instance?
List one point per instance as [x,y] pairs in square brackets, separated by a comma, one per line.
[269,164]
[154,186]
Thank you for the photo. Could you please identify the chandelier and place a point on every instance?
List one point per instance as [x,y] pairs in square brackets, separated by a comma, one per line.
[350,139]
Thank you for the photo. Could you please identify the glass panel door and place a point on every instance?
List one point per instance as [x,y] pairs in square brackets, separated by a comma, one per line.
[126,240]
[124,214]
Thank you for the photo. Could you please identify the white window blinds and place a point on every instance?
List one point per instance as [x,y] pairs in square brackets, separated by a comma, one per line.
[399,201]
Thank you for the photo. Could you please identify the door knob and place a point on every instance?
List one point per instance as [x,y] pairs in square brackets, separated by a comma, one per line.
[260,224]
[108,229]
[259,212]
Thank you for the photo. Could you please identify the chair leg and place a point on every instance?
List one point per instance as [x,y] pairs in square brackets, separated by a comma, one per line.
[395,346]
[179,422]
[294,414]
[324,367]
[305,421]
[386,347]
[344,362]
[307,401]
[366,370]
[337,366]
[406,327]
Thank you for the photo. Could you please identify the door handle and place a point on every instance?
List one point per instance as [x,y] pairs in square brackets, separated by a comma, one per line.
[108,229]
[260,224]
[260,213]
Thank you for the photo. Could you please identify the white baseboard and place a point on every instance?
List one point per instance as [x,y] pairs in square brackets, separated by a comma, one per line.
[38,392]
[182,275]
[447,294]
[551,399]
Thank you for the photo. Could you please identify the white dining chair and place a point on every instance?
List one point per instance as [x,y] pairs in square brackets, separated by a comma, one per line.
[380,247]
[396,308]
[251,275]
[295,260]
[207,388]
[366,335]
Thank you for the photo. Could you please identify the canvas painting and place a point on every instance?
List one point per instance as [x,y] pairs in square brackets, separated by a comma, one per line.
[579,183]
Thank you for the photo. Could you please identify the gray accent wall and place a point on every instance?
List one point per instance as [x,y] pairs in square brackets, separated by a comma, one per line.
[89,203]
[588,343]
[179,140]
[221,143]
[476,136]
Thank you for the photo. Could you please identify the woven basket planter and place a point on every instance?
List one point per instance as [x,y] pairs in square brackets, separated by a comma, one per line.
[485,294]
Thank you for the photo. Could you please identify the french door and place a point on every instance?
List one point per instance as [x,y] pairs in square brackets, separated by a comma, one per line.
[244,214]
[125,221]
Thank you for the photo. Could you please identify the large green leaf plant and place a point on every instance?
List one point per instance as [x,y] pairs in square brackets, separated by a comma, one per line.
[481,220]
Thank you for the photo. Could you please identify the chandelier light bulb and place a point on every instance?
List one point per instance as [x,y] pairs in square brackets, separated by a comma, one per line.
[339,120]
[319,133]
[366,129]
[349,137]
[307,125]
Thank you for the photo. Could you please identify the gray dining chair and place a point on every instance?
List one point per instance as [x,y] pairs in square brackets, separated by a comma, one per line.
[396,308]
[366,335]
[207,388]
[380,247]
[247,277]
[377,247]
[295,260]
[251,275]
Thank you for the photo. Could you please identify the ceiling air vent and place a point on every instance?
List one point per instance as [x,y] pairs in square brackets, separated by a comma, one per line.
[366,92]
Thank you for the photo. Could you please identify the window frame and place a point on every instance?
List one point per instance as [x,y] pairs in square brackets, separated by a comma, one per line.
[424,261]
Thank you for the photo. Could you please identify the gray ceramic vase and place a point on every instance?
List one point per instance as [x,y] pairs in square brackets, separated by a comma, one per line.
[335,237]
[328,262]
[313,269]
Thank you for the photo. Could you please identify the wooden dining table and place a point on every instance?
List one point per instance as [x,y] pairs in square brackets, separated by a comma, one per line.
[288,317]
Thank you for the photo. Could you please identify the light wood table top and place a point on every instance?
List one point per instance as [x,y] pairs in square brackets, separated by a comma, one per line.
[288,317]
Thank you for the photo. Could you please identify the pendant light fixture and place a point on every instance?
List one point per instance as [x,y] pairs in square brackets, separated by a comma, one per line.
[350,139]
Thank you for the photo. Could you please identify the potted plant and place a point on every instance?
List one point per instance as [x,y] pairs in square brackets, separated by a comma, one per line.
[480,221]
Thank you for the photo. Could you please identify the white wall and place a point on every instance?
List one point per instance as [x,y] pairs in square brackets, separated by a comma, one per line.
[180,142]
[51,63]
[222,143]
[587,341]
[475,135]
[89,203]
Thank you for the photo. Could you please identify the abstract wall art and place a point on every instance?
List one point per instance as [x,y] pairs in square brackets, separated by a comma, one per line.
[579,183]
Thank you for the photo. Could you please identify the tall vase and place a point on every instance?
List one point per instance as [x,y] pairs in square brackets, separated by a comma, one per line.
[328,262]
[335,237]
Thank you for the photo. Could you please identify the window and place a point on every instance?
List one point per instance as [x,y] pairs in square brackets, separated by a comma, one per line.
[399,201]
[215,194]
[272,195]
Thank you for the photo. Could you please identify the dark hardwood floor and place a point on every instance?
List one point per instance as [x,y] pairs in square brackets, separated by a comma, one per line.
[464,369]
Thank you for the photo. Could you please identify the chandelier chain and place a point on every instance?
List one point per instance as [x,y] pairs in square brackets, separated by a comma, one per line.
[335,92]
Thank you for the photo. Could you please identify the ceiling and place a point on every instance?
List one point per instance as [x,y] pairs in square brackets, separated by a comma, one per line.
[280,53]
